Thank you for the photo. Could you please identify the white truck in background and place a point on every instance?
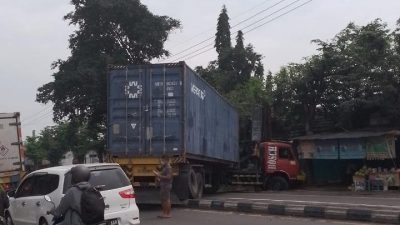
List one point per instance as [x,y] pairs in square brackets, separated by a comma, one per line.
[11,150]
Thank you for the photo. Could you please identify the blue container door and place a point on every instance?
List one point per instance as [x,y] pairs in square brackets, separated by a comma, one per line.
[164,132]
[126,121]
[145,111]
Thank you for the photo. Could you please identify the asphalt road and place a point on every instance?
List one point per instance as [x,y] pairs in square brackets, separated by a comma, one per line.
[200,217]
[372,200]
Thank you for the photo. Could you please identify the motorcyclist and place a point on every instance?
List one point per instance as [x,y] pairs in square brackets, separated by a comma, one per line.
[70,205]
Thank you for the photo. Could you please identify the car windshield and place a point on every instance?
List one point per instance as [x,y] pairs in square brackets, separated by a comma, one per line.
[108,179]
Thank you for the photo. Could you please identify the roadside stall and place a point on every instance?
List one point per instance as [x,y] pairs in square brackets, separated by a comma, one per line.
[362,160]
[380,171]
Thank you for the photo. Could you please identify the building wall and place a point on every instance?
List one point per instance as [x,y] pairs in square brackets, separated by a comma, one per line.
[91,157]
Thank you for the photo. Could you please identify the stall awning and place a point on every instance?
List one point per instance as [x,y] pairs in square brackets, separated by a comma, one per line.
[348,135]
[371,145]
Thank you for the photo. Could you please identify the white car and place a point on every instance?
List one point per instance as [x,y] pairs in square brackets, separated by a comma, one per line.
[28,205]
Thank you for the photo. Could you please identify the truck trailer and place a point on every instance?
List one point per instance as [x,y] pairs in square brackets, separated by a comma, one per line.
[167,109]
[11,150]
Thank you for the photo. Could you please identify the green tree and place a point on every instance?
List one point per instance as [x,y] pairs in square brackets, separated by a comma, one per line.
[361,68]
[34,151]
[239,61]
[238,74]
[108,32]
[353,78]
[223,43]
[49,144]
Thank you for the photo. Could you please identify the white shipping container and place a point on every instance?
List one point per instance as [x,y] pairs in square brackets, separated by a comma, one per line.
[10,142]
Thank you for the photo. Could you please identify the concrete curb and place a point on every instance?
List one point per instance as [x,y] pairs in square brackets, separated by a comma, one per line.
[298,210]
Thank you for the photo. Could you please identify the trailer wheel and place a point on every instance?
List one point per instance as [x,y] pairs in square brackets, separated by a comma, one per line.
[278,183]
[200,182]
[193,185]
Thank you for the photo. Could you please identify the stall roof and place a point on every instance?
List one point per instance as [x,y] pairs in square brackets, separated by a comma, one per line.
[348,135]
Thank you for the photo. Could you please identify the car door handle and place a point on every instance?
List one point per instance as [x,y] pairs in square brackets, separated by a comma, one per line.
[38,204]
[23,203]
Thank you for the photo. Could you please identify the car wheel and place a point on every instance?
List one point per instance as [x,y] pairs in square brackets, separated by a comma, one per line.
[9,220]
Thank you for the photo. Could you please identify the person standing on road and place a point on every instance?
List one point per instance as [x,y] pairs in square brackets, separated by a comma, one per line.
[70,205]
[165,179]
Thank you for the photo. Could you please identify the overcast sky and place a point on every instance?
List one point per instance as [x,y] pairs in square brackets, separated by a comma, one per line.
[33,35]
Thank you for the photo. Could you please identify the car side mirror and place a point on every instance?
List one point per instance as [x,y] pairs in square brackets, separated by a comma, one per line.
[11,193]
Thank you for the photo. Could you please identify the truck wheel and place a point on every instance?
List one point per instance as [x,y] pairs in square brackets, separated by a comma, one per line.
[193,185]
[200,182]
[278,184]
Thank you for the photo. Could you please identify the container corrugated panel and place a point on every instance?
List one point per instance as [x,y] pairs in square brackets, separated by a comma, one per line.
[160,109]
[211,122]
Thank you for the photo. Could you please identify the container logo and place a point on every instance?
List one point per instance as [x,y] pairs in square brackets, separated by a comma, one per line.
[198,92]
[133,89]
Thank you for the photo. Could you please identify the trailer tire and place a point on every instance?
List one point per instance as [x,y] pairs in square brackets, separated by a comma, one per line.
[200,182]
[193,185]
[278,183]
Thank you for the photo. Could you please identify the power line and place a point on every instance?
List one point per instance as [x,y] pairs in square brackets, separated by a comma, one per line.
[269,15]
[249,10]
[184,56]
[262,11]
[212,37]
[210,29]
[279,16]
[32,116]
[269,21]
[200,53]
[38,119]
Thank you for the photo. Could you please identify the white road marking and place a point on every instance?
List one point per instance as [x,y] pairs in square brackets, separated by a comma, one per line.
[316,202]
[331,196]
[280,217]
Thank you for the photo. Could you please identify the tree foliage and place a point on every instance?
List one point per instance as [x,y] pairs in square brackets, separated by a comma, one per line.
[54,141]
[223,43]
[108,32]
[51,144]
[353,79]
[238,74]
[235,65]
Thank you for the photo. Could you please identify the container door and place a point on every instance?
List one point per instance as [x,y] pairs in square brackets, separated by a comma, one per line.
[164,130]
[127,111]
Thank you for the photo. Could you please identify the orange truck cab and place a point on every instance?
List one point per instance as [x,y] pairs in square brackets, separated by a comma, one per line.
[276,167]
[280,165]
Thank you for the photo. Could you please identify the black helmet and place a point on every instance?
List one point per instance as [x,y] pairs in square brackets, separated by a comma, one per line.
[79,174]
